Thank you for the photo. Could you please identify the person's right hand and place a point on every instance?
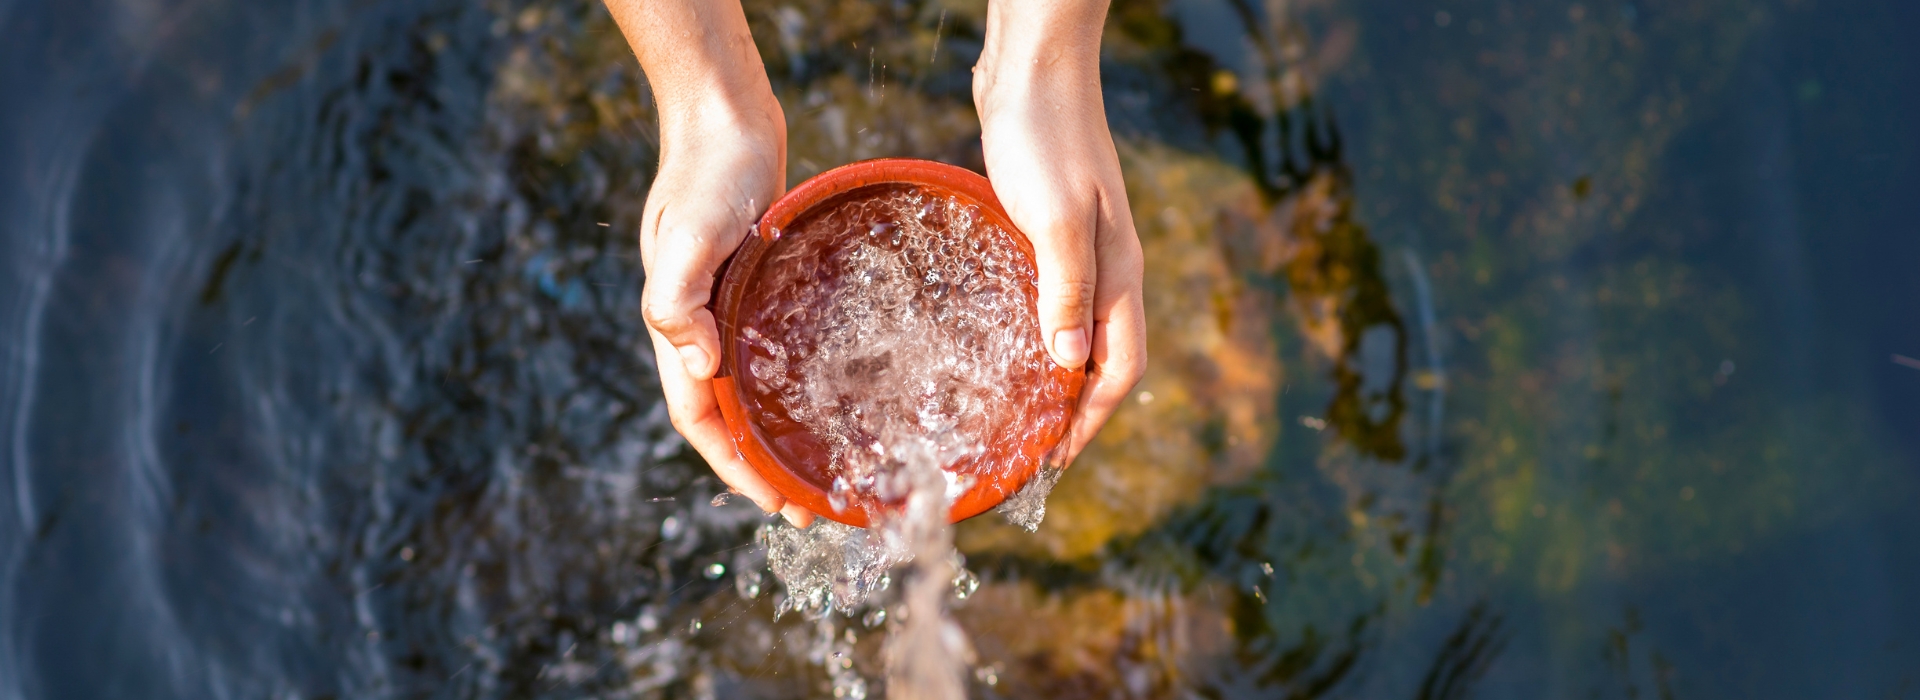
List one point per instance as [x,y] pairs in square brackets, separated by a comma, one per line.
[715,180]
[723,160]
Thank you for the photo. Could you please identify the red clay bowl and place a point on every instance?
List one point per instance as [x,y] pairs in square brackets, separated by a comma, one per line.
[799,469]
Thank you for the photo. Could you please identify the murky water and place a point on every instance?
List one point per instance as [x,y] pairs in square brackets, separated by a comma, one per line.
[1500,350]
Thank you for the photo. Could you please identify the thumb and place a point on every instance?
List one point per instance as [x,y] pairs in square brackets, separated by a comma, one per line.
[1064,257]
[678,285]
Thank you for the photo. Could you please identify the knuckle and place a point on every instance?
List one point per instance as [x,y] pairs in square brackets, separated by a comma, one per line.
[1042,216]
[1058,225]
[1120,253]
[1055,218]
[1131,260]
[1074,293]
[665,317]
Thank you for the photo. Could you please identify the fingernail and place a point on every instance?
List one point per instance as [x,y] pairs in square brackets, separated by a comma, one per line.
[1070,347]
[693,358]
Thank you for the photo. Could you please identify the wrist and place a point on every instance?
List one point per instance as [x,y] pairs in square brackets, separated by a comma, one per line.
[1040,52]
[719,115]
[704,72]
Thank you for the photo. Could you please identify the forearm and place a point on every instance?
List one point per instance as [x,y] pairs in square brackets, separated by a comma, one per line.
[1041,53]
[701,63]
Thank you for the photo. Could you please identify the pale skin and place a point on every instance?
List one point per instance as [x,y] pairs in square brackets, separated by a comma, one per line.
[1049,156]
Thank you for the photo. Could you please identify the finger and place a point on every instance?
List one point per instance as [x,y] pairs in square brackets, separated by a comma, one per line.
[797,515]
[1120,335]
[685,255]
[1062,237]
[696,414]
[1110,379]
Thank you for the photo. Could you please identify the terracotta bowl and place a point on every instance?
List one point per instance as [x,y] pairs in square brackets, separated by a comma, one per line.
[801,474]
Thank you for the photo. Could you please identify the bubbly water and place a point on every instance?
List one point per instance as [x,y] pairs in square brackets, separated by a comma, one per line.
[906,351]
[921,328]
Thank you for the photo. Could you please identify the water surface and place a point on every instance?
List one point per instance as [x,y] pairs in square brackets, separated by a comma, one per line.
[1499,350]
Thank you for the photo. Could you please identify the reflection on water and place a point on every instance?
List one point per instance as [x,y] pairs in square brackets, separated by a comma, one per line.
[1500,350]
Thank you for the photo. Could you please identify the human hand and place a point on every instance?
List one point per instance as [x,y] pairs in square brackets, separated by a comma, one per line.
[723,139]
[1053,165]
[723,145]
[712,185]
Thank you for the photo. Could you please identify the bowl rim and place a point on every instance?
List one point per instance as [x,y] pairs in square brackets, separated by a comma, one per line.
[743,265]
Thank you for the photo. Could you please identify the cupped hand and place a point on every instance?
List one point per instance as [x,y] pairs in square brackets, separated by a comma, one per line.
[1052,162]
[723,162]
[716,178]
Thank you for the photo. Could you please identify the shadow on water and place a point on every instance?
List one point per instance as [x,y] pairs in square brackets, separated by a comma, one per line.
[323,377]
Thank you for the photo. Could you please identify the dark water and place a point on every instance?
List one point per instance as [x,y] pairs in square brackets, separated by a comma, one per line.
[1501,350]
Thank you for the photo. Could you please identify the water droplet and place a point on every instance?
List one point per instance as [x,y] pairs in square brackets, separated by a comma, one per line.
[716,570]
[965,583]
[837,496]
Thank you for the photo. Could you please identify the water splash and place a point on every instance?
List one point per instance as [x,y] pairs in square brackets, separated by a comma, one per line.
[830,567]
[918,328]
[1028,506]
[913,351]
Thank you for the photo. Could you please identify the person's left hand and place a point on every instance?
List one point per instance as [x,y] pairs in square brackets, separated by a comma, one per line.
[1053,165]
